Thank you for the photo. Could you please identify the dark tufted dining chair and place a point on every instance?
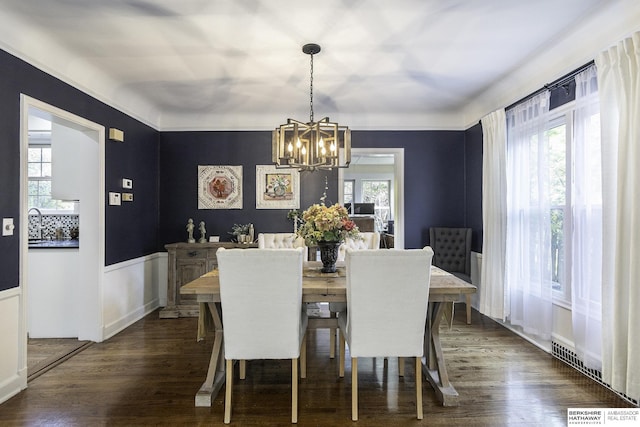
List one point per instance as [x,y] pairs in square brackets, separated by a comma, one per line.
[452,253]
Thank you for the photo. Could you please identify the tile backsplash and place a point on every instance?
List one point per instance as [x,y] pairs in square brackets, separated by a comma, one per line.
[50,223]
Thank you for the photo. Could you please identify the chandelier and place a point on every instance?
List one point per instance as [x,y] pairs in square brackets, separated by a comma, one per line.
[313,145]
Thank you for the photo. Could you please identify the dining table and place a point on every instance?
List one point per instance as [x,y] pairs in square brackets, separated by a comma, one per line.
[318,287]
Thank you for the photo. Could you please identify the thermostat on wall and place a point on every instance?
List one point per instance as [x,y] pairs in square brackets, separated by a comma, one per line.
[114,199]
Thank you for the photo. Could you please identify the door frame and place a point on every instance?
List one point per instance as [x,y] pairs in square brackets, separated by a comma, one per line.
[90,309]
[398,178]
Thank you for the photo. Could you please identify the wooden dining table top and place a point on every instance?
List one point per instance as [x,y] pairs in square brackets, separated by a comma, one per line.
[332,286]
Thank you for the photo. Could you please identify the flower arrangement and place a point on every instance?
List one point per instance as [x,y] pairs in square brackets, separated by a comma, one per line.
[329,224]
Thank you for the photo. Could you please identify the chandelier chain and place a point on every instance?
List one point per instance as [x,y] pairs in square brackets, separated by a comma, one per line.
[311,92]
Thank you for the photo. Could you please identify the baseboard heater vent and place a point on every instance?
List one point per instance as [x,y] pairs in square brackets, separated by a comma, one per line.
[570,358]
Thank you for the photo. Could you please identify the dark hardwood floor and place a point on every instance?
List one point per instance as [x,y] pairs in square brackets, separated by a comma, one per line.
[149,374]
[47,353]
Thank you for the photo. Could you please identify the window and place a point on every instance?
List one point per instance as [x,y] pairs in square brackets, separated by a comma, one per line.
[39,171]
[377,192]
[558,198]
[559,134]
[348,190]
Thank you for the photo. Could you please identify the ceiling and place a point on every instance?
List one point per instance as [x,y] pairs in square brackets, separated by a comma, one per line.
[238,64]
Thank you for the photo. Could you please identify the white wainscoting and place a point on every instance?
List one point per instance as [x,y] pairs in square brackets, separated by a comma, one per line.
[13,377]
[131,290]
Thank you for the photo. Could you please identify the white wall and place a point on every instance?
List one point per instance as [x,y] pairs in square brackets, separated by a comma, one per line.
[13,376]
[131,290]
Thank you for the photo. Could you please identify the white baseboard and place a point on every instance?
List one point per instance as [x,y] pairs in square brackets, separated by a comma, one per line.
[119,325]
[12,386]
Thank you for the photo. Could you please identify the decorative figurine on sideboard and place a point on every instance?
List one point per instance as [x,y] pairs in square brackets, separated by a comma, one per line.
[190,227]
[203,233]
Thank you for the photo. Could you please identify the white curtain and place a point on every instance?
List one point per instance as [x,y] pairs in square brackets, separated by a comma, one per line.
[494,212]
[586,212]
[528,273]
[619,90]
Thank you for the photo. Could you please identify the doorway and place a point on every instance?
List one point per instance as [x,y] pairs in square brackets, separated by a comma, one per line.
[380,163]
[87,162]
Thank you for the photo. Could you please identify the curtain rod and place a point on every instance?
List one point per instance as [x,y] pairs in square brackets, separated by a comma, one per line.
[554,84]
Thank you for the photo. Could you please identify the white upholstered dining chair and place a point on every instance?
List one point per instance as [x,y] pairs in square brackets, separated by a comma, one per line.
[387,298]
[366,240]
[281,241]
[261,299]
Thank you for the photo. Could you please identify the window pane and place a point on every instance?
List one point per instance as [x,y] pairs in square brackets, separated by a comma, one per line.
[558,201]
[46,154]
[46,169]
[348,191]
[45,187]
[34,154]
[375,192]
[34,170]
[558,165]
[378,193]
[33,188]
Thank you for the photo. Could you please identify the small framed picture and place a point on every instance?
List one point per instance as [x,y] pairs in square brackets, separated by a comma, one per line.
[277,188]
[219,187]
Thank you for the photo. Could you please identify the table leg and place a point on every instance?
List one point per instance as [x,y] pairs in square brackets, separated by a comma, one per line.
[216,372]
[434,367]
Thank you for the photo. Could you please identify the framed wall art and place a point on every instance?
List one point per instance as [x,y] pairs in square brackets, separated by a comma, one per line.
[277,188]
[219,187]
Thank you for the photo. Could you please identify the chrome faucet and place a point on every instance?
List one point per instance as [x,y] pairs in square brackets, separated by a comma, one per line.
[39,221]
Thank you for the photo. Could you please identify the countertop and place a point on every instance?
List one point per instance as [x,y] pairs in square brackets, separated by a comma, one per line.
[54,244]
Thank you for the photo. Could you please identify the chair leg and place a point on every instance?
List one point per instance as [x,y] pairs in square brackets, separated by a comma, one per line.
[419,387]
[228,387]
[354,389]
[243,369]
[401,366]
[342,351]
[468,309]
[303,357]
[332,337]
[294,391]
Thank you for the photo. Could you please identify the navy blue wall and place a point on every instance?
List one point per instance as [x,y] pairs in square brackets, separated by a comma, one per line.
[131,231]
[434,180]
[434,186]
[442,174]
[473,182]
[180,155]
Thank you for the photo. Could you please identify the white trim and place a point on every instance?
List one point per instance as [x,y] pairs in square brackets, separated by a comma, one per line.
[122,323]
[10,293]
[12,365]
[398,177]
[135,261]
[92,249]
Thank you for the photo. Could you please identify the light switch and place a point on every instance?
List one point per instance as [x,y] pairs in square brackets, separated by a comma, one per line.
[127,183]
[7,226]
[114,199]
[127,197]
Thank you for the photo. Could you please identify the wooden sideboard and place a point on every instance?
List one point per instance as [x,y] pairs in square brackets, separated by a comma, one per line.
[187,262]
